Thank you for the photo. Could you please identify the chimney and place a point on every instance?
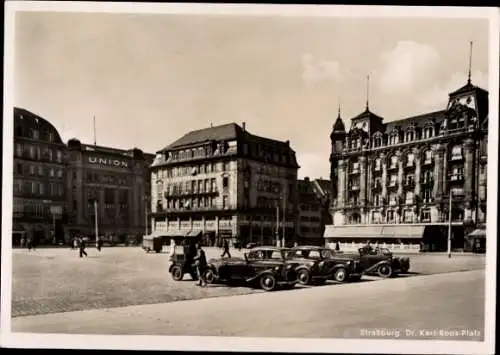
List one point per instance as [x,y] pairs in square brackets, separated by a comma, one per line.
[287,142]
[243,125]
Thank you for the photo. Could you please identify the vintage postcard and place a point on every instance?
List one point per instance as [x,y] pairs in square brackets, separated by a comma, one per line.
[275,178]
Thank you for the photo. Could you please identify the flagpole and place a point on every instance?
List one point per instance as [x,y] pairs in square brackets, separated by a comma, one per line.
[95,141]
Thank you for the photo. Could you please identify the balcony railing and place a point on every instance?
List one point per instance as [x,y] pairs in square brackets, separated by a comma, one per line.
[409,165]
[457,157]
[187,193]
[392,167]
[456,178]
[428,162]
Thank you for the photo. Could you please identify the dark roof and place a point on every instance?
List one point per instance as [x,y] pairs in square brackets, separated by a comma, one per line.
[419,120]
[324,184]
[228,131]
[466,88]
[339,125]
[36,121]
[366,113]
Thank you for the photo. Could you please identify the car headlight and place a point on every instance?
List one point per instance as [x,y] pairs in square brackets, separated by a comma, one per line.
[276,268]
[289,267]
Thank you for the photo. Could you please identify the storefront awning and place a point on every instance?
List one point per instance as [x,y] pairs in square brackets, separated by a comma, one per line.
[194,233]
[375,232]
[478,233]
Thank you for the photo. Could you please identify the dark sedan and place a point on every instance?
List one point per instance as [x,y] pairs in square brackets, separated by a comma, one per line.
[318,264]
[265,267]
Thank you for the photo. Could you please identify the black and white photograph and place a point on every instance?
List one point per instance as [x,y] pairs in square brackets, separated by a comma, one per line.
[223,177]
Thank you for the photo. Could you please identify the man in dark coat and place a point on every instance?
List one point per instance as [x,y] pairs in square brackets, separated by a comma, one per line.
[200,261]
[226,249]
[82,248]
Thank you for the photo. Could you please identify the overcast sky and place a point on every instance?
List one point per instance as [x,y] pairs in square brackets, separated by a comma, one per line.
[149,79]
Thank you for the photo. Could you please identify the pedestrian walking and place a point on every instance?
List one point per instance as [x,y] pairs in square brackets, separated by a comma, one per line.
[98,244]
[200,262]
[337,246]
[82,248]
[29,243]
[226,249]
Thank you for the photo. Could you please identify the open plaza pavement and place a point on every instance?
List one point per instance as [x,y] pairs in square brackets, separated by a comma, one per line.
[111,288]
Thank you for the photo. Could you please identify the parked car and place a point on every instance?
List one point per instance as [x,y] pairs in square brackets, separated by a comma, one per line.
[265,267]
[251,245]
[318,264]
[381,262]
[179,267]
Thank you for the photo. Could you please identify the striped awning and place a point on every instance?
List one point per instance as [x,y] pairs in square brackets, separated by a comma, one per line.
[376,232]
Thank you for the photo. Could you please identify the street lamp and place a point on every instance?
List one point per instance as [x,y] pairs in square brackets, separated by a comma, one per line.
[449,225]
[94,201]
[146,215]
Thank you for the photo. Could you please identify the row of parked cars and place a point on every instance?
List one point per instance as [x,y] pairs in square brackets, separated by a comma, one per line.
[272,268]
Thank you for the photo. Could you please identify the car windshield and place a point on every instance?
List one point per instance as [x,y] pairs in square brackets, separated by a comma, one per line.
[266,255]
[310,253]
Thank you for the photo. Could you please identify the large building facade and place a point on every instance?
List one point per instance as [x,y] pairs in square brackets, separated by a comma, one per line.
[405,172]
[39,195]
[313,210]
[223,182]
[113,180]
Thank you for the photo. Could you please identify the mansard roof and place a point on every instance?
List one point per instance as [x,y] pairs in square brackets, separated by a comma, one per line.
[29,119]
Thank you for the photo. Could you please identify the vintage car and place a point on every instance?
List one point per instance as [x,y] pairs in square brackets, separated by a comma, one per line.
[180,266]
[318,264]
[265,267]
[380,262]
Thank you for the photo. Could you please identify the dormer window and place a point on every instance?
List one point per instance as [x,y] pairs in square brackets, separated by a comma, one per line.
[394,137]
[410,136]
[428,132]
[377,141]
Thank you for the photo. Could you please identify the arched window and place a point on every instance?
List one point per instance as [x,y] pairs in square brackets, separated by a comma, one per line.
[428,156]
[456,152]
[394,162]
[410,159]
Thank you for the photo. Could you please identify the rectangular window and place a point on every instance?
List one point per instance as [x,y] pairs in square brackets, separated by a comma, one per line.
[41,189]
[32,170]
[32,152]
[225,182]
[19,149]
[51,172]
[426,216]
[18,186]
[35,134]
[225,202]
[33,187]
[19,168]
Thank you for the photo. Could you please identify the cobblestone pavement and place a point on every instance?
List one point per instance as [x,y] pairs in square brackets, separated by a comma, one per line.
[57,280]
[445,306]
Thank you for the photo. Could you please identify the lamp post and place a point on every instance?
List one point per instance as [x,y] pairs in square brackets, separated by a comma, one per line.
[277,222]
[96,226]
[284,219]
[146,215]
[449,225]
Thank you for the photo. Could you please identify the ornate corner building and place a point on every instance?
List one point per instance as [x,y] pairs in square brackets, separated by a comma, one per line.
[39,195]
[224,182]
[403,172]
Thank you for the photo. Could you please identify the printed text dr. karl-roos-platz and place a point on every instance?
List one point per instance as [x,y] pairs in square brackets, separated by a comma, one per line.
[408,332]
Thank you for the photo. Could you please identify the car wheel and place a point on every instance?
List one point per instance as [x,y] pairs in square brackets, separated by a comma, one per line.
[268,282]
[209,276]
[177,274]
[304,276]
[340,275]
[384,271]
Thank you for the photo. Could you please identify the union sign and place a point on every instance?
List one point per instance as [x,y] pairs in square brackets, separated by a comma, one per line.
[112,162]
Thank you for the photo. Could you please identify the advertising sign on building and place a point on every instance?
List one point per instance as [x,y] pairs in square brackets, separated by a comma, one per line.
[108,162]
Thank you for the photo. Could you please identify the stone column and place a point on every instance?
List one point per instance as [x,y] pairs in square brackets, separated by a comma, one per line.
[469,169]
[341,184]
[362,180]
[400,173]
[438,152]
[383,157]
[417,172]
